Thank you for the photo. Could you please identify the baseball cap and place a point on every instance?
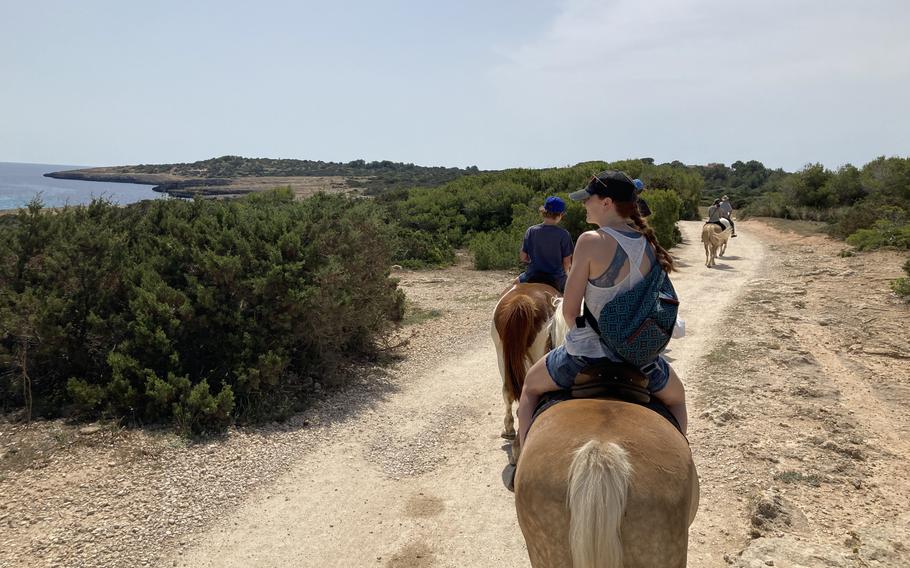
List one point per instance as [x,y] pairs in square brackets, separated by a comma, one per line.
[554,204]
[608,183]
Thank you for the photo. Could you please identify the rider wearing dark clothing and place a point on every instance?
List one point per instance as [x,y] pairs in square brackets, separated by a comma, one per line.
[547,248]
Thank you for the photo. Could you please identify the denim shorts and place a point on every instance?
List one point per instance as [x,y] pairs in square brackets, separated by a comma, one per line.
[563,369]
[560,282]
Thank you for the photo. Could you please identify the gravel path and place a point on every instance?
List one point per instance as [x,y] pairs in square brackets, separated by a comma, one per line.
[418,481]
[798,388]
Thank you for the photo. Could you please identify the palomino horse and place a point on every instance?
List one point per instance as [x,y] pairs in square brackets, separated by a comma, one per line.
[715,240]
[605,483]
[524,329]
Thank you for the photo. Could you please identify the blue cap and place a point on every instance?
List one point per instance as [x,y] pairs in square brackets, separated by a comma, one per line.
[639,185]
[554,204]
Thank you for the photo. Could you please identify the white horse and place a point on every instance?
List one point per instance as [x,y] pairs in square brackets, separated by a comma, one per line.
[715,240]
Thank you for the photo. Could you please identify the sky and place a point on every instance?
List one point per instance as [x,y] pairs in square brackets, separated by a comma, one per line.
[508,83]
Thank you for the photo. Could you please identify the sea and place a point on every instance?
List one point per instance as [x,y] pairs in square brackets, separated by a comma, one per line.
[20,183]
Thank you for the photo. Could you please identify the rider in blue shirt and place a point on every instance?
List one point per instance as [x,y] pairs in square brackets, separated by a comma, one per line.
[547,248]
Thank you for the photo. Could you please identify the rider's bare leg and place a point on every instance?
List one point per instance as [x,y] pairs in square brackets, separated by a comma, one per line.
[674,397]
[537,382]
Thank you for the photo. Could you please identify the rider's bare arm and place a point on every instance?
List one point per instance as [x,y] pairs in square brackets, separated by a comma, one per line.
[523,256]
[567,263]
[578,276]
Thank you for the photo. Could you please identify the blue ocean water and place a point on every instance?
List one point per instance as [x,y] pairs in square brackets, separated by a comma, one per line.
[19,183]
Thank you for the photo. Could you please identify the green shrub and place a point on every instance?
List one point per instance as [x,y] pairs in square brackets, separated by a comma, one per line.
[665,207]
[884,233]
[192,312]
[508,201]
[772,204]
[901,286]
[419,249]
[496,250]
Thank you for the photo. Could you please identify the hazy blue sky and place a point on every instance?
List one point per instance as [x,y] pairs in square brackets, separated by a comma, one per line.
[489,83]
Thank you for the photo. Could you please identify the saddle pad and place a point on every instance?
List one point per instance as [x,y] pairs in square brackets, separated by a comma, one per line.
[551,398]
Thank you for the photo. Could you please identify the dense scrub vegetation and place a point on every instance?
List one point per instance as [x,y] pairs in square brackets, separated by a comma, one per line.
[192,312]
[489,212]
[868,206]
[201,313]
[374,176]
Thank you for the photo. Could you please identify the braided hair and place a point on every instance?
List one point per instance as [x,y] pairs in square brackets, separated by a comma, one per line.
[629,209]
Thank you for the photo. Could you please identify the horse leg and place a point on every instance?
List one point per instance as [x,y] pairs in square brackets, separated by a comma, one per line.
[508,424]
[508,431]
[707,256]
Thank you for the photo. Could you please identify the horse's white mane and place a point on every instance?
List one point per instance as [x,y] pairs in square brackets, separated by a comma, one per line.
[557,326]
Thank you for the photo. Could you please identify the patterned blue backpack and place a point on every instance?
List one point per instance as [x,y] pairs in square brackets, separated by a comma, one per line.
[637,324]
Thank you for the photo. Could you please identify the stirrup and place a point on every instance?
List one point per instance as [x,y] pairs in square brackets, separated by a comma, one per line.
[508,477]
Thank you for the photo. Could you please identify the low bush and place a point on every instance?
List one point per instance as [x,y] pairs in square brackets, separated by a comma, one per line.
[420,249]
[197,313]
[665,209]
[496,250]
[901,286]
[884,233]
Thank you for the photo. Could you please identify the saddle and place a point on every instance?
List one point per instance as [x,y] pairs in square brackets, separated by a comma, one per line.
[608,380]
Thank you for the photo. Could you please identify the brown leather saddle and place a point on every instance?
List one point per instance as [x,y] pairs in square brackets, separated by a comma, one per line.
[609,380]
[612,380]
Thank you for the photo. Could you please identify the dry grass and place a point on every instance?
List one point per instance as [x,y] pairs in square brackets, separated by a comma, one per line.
[414,314]
[804,228]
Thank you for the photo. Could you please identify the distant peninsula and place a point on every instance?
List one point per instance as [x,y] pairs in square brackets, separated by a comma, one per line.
[229,176]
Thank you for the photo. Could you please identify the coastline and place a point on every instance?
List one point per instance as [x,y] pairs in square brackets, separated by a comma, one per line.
[215,187]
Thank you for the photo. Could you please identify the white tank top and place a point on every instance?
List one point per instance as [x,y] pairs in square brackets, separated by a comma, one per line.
[584,341]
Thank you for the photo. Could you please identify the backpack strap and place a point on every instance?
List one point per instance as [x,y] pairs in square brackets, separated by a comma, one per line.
[588,319]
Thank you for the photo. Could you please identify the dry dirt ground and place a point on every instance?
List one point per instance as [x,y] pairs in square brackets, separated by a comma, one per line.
[796,365]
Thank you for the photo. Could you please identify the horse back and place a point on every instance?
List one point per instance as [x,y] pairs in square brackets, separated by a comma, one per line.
[662,495]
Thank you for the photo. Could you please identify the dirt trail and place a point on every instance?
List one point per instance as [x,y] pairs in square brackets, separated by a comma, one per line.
[351,504]
[797,368]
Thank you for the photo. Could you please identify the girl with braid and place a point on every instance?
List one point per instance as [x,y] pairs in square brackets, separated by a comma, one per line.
[607,262]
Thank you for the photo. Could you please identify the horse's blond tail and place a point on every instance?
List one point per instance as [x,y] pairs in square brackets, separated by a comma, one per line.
[598,486]
[558,327]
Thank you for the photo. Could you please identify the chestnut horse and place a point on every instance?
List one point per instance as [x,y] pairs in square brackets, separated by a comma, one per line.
[605,483]
[527,323]
[715,240]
